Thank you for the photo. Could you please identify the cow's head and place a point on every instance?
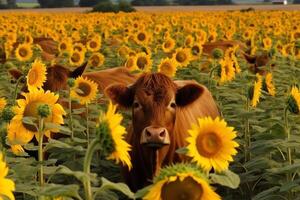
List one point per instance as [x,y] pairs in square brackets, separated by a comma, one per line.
[57,76]
[154,99]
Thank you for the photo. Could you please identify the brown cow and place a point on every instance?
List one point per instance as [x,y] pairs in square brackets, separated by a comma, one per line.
[162,112]
[224,45]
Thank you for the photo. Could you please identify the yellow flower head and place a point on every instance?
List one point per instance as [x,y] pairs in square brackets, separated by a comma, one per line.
[84,90]
[182,56]
[181,182]
[211,145]
[168,67]
[256,91]
[168,45]
[117,132]
[36,75]
[227,70]
[269,85]
[2,103]
[267,42]
[294,100]
[77,58]
[96,60]
[21,133]
[24,52]
[143,62]
[7,186]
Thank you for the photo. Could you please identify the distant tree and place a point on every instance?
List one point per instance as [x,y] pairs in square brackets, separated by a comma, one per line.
[202,2]
[149,2]
[11,3]
[296,1]
[56,3]
[91,3]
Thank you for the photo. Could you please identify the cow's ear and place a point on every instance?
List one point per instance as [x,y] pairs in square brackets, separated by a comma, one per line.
[78,71]
[188,94]
[15,73]
[120,94]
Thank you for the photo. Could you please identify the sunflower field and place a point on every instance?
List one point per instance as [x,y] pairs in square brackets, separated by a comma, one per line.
[249,61]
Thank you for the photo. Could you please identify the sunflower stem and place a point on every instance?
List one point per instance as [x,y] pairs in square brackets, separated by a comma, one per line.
[247,138]
[40,151]
[87,168]
[70,115]
[289,152]
[16,88]
[87,124]
[211,74]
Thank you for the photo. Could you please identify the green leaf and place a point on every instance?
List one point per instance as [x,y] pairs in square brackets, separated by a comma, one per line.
[59,144]
[182,150]
[226,178]
[108,185]
[81,176]
[55,190]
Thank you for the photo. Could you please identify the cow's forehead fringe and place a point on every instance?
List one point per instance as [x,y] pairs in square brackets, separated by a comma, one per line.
[155,81]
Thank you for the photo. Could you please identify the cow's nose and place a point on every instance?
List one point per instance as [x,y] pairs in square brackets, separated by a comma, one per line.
[155,136]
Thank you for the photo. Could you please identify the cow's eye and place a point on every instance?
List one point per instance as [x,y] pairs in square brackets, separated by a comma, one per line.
[173,105]
[136,105]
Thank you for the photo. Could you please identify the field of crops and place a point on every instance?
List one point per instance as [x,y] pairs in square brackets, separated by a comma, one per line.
[70,142]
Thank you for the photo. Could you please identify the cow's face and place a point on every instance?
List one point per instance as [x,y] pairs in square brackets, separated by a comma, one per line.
[154,99]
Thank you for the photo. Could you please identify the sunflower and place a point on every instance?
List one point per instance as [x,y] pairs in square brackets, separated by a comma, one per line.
[255,91]
[7,186]
[201,36]
[2,103]
[131,63]
[84,90]
[79,47]
[123,51]
[267,42]
[181,181]
[182,56]
[168,45]
[36,75]
[189,40]
[168,67]
[77,58]
[268,85]
[94,44]
[20,133]
[65,46]
[196,50]
[96,60]
[211,145]
[142,37]
[294,100]
[227,70]
[143,62]
[121,148]
[24,52]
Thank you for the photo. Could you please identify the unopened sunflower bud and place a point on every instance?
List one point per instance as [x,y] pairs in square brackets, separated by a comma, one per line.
[71,82]
[217,53]
[7,114]
[44,110]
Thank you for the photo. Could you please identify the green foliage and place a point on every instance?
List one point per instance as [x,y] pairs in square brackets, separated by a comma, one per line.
[202,2]
[150,2]
[108,6]
[56,3]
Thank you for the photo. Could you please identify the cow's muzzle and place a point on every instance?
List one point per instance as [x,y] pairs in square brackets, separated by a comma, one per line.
[155,137]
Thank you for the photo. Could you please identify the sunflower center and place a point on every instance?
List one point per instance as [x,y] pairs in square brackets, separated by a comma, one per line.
[142,62]
[93,44]
[208,144]
[95,60]
[188,189]
[31,110]
[78,48]
[141,36]
[75,57]
[85,89]
[166,66]
[168,44]
[63,46]
[33,77]
[23,52]
[181,57]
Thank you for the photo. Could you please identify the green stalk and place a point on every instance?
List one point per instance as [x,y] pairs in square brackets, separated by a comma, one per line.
[289,152]
[87,168]
[70,115]
[247,137]
[87,124]
[40,151]
[16,88]
[211,74]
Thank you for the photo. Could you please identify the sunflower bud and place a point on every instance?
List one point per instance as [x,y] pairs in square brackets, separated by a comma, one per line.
[217,53]
[71,82]
[44,110]
[106,141]
[292,105]
[7,114]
